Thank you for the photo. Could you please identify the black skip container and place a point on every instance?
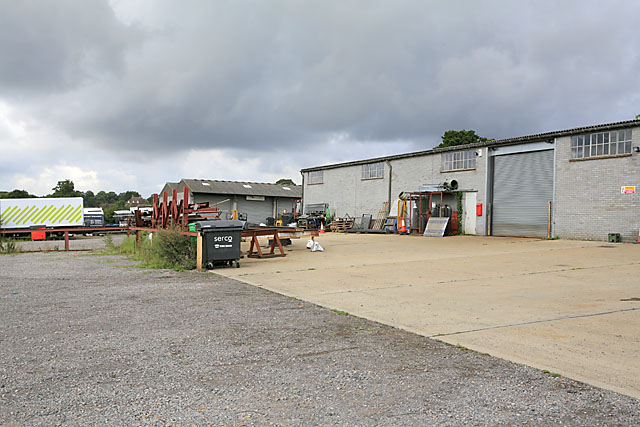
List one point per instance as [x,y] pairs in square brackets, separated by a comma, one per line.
[220,241]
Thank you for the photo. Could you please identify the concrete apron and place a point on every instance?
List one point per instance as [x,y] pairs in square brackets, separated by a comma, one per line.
[570,307]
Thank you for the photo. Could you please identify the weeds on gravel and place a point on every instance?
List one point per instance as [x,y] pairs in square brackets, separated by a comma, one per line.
[108,242]
[8,247]
[167,249]
[340,313]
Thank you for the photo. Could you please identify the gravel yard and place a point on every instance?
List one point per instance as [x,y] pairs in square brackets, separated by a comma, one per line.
[88,339]
[76,243]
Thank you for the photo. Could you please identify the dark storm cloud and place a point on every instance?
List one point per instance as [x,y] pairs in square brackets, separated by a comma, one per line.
[53,46]
[283,74]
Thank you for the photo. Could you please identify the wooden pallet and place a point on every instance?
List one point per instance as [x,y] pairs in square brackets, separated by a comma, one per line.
[340,226]
[382,217]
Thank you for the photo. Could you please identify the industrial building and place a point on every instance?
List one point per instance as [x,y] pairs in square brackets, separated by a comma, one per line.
[575,184]
[256,200]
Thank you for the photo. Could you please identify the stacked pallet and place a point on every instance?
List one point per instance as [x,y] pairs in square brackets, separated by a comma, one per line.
[340,225]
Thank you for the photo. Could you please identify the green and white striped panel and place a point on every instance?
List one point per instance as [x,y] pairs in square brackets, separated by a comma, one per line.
[23,215]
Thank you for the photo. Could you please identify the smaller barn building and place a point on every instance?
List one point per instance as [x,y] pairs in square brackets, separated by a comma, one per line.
[256,200]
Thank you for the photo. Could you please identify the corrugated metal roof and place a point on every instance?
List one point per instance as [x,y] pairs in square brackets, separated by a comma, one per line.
[170,186]
[243,188]
[506,141]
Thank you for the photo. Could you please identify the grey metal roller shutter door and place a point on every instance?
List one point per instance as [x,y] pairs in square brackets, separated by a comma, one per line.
[522,190]
[257,211]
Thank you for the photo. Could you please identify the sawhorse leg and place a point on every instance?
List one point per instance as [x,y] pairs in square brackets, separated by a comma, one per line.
[276,239]
[254,241]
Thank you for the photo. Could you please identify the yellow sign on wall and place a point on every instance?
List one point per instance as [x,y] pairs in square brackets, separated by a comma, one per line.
[628,189]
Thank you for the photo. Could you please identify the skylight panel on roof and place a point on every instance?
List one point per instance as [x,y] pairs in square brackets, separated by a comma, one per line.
[205,183]
[246,186]
[286,188]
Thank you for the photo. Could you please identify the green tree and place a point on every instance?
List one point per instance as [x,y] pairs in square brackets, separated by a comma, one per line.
[638,117]
[110,209]
[103,198]
[285,181]
[112,197]
[460,137]
[65,188]
[16,194]
[90,199]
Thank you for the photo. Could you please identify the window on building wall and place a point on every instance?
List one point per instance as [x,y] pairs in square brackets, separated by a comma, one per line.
[316,177]
[459,160]
[601,144]
[373,170]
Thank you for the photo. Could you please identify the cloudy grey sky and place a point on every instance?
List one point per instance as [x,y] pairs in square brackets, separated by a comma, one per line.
[129,94]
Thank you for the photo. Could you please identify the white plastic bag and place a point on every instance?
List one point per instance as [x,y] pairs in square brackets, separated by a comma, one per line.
[317,248]
[310,243]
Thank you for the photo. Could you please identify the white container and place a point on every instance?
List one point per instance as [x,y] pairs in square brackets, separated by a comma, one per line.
[48,212]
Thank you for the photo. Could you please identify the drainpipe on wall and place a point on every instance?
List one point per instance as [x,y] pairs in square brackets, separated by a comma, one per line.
[390,179]
[302,198]
[552,211]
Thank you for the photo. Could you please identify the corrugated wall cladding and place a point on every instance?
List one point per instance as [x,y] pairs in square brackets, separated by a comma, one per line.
[224,202]
[257,210]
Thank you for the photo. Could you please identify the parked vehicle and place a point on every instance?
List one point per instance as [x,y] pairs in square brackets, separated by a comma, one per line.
[93,218]
[124,217]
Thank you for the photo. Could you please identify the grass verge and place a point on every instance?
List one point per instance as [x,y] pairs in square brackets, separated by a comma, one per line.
[164,249]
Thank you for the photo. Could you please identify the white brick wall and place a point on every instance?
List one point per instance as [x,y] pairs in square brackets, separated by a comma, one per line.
[410,173]
[589,204]
[347,193]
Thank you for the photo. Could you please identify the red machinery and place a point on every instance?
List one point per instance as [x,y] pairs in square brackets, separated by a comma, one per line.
[173,213]
[417,198]
[167,213]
